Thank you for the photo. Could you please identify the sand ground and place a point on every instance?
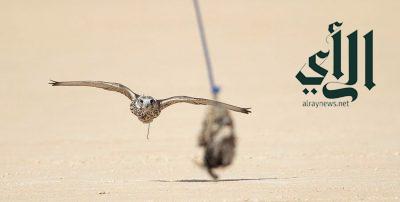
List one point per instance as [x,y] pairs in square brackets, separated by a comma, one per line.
[82,144]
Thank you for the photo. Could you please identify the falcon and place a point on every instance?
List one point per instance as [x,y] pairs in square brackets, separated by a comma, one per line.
[147,108]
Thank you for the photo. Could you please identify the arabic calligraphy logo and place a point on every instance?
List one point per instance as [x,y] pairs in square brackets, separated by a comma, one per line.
[348,87]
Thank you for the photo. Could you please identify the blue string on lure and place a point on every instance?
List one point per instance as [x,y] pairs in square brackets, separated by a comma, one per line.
[214,88]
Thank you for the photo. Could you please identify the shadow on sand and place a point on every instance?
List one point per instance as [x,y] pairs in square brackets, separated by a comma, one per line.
[224,180]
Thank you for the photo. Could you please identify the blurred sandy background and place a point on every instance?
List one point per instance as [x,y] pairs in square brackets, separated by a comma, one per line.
[84,144]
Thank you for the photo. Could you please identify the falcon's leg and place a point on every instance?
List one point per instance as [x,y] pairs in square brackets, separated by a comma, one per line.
[148,131]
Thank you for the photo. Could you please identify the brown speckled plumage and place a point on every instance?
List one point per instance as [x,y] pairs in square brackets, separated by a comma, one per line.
[146,108]
[146,116]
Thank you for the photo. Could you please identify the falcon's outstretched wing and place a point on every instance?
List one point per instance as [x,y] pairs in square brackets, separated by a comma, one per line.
[200,101]
[99,84]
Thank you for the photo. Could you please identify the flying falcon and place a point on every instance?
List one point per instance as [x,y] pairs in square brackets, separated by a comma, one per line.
[147,108]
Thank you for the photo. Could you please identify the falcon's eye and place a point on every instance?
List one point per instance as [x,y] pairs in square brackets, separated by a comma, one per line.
[141,101]
[151,101]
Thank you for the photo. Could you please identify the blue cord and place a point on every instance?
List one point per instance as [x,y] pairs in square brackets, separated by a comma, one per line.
[214,88]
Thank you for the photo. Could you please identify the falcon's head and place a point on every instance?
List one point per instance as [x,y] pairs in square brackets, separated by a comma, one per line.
[146,103]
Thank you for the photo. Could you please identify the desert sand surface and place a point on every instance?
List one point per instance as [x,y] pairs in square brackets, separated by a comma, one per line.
[83,144]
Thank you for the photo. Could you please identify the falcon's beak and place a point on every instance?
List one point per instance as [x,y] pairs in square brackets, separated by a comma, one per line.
[147,104]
